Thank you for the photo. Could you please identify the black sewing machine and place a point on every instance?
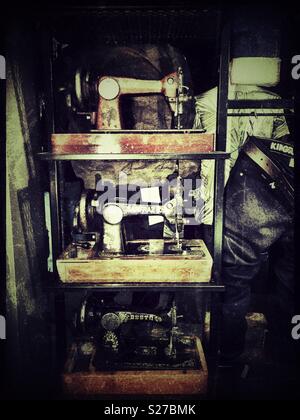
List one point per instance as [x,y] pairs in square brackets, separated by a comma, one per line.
[111,337]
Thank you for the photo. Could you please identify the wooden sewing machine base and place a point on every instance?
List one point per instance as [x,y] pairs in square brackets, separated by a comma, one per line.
[135,382]
[192,265]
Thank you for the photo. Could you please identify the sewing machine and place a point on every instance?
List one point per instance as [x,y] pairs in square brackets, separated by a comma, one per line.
[99,235]
[109,91]
[123,338]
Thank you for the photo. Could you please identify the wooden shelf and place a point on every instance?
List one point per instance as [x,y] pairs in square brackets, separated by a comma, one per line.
[138,382]
[193,267]
[134,142]
[134,145]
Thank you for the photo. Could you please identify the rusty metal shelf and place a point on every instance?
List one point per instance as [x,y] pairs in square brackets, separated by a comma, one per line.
[136,156]
[206,287]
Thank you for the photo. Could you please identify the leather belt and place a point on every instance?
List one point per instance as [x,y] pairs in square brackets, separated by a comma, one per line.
[276,176]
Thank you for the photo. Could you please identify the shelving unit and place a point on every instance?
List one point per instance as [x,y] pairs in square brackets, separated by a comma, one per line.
[56,182]
[219,154]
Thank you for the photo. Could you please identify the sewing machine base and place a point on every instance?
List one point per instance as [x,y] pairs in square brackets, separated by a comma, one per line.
[86,380]
[192,264]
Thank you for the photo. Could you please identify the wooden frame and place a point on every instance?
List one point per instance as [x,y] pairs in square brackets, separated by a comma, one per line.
[131,142]
[143,382]
[109,269]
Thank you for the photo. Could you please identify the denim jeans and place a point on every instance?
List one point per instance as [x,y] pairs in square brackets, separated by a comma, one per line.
[255,218]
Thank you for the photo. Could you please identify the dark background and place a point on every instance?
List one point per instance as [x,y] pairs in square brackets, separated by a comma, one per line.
[29,360]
